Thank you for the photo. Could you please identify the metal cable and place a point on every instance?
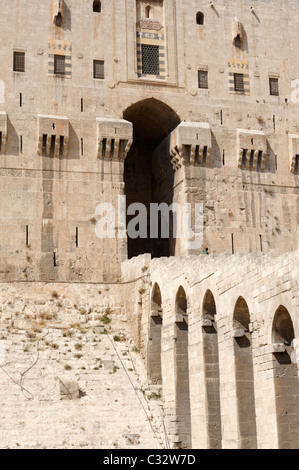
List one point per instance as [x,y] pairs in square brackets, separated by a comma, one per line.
[148,418]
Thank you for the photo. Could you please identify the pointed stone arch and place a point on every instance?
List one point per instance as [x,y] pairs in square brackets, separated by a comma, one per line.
[211,370]
[244,375]
[182,386]
[285,370]
[155,335]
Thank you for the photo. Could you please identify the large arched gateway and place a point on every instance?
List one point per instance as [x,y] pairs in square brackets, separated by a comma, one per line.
[148,174]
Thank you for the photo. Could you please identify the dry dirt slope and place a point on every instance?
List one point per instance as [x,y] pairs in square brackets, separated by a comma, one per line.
[75,387]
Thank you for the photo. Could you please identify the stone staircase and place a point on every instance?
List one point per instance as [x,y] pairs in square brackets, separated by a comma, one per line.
[78,387]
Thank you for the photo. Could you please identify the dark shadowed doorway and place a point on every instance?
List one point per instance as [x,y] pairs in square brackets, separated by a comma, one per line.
[148,174]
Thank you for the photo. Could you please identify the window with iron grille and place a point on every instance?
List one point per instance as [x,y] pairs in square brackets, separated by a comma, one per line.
[59,64]
[19,61]
[98,69]
[239,82]
[203,79]
[273,82]
[150,60]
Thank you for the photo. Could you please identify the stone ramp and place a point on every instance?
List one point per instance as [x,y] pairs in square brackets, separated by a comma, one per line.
[75,388]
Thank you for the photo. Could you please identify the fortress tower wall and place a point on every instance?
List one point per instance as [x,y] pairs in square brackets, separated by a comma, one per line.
[236,153]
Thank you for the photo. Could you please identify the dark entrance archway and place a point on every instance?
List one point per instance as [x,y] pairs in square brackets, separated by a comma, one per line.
[148,174]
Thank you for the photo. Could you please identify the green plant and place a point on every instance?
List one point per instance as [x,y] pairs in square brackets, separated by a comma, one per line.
[78,346]
[67,367]
[135,349]
[116,338]
[105,319]
[154,396]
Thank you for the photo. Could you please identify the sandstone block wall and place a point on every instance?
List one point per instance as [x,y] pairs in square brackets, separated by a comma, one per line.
[243,391]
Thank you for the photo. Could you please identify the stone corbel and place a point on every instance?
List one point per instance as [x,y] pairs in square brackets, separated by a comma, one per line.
[277,348]
[177,157]
[3,132]
[238,333]
[114,138]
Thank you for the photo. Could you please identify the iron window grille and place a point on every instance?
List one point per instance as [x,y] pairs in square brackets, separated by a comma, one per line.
[239,82]
[98,69]
[150,60]
[19,61]
[59,64]
[203,79]
[274,90]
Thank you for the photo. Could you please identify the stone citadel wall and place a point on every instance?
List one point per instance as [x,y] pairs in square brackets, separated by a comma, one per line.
[50,188]
[227,325]
[160,101]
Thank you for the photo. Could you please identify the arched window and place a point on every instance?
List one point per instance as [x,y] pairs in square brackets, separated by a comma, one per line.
[147,11]
[58,20]
[200,18]
[97,6]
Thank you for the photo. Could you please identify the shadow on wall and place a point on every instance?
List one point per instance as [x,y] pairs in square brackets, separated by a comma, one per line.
[12,146]
[74,145]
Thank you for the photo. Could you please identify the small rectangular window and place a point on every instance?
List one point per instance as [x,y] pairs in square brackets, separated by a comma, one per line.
[203,79]
[98,69]
[59,64]
[19,61]
[150,60]
[239,82]
[273,83]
